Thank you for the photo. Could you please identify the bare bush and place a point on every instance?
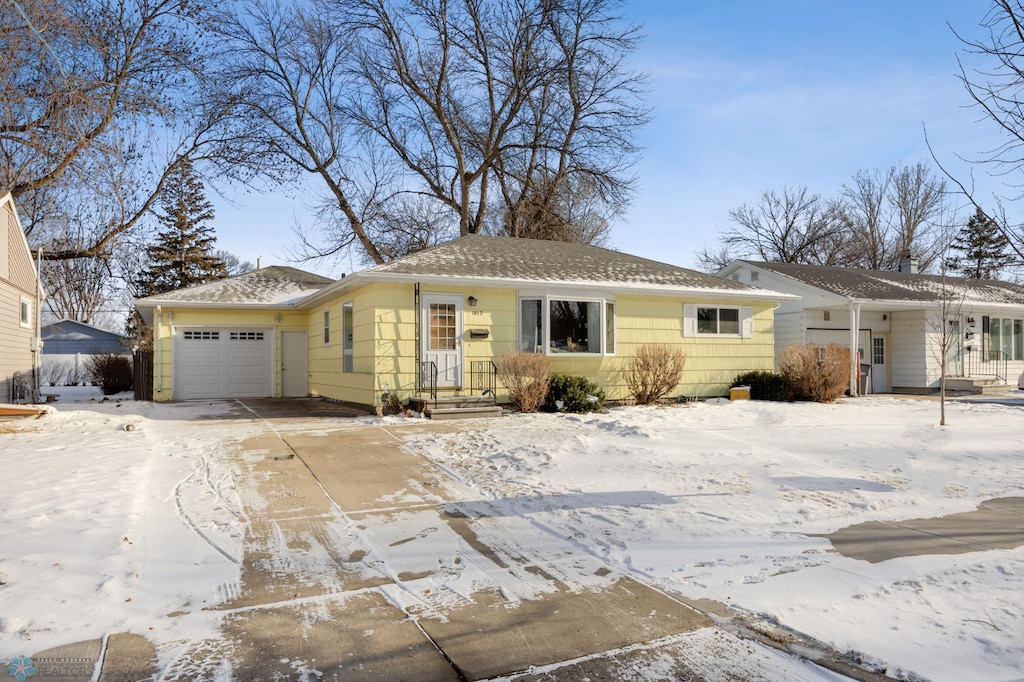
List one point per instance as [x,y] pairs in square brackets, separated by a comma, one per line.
[64,372]
[525,375]
[818,373]
[653,372]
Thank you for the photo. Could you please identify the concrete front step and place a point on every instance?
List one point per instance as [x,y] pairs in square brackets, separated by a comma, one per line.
[452,413]
[421,404]
[984,384]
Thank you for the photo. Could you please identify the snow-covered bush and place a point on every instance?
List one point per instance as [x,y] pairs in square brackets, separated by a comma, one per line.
[525,375]
[112,373]
[766,385]
[654,371]
[818,373]
[573,394]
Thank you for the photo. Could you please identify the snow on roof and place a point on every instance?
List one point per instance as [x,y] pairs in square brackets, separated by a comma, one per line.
[486,257]
[273,285]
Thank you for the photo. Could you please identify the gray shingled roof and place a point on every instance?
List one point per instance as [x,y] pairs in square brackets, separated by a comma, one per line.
[875,285]
[485,257]
[274,285]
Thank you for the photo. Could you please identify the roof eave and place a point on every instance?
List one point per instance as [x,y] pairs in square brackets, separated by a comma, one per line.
[361,279]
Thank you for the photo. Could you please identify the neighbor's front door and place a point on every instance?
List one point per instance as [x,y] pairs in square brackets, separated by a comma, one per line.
[442,337]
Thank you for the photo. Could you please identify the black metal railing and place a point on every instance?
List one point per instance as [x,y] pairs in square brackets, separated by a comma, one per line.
[428,379]
[991,362]
[483,377]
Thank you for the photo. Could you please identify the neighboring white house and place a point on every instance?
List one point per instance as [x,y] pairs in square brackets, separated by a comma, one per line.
[20,297]
[893,319]
[68,345]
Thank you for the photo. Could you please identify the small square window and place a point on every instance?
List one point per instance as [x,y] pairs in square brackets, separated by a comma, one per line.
[26,313]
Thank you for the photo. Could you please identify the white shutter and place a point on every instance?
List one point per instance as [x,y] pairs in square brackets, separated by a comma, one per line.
[746,322]
[689,319]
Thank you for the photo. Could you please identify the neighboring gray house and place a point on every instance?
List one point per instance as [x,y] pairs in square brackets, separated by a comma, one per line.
[20,296]
[68,344]
[895,316]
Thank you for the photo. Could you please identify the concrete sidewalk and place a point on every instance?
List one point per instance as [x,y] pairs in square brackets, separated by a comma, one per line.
[995,524]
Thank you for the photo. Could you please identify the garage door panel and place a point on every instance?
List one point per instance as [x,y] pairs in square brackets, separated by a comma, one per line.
[223,363]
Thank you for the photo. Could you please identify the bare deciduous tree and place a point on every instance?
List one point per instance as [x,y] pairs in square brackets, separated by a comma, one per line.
[104,87]
[995,87]
[429,104]
[895,212]
[789,226]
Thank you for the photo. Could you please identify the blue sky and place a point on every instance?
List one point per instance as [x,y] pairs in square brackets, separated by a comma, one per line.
[748,96]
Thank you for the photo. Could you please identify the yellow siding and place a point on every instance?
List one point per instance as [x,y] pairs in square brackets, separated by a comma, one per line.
[385,350]
[384,347]
[171,318]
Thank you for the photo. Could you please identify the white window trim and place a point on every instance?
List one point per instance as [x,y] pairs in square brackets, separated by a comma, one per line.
[26,319]
[327,328]
[746,321]
[545,321]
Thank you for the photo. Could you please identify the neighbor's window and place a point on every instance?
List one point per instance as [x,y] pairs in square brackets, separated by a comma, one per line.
[327,327]
[26,312]
[1007,337]
[346,337]
[562,325]
[718,321]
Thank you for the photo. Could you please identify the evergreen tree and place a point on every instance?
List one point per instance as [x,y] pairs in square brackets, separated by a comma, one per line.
[980,249]
[183,254]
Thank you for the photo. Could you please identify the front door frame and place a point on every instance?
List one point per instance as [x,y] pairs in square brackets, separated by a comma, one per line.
[450,362]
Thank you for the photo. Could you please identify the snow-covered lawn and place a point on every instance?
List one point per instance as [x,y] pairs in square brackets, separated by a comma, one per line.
[112,530]
[103,528]
[725,500]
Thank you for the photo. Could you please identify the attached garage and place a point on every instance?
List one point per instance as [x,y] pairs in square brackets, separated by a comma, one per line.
[223,362]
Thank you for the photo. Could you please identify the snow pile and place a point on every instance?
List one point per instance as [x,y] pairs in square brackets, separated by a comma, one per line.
[724,500]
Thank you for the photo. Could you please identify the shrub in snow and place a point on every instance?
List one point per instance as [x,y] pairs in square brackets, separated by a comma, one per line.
[573,394]
[766,385]
[818,373]
[525,375]
[653,371]
[112,373]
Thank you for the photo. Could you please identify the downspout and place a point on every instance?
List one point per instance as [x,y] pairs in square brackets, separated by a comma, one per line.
[854,355]
[159,355]
[37,353]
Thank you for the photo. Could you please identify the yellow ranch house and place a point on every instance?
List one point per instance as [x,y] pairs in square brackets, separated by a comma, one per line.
[434,323]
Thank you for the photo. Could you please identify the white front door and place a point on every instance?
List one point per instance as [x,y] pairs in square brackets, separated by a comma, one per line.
[880,363]
[442,336]
[294,364]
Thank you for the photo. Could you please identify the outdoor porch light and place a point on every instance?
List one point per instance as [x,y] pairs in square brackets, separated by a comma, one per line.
[472,301]
[970,321]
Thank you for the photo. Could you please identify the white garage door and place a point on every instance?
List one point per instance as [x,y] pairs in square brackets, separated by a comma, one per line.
[840,336]
[223,362]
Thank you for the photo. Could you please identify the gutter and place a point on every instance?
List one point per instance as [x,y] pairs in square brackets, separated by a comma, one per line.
[360,279]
